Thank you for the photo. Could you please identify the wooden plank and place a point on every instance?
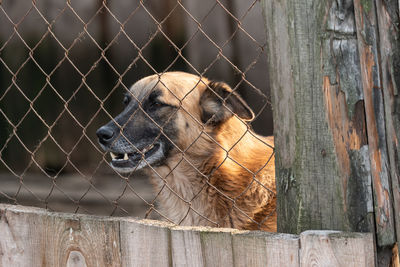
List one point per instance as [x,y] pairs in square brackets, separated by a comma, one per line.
[330,248]
[389,43]
[216,246]
[365,17]
[92,240]
[34,237]
[21,237]
[145,243]
[322,154]
[202,246]
[265,249]
[196,246]
[186,247]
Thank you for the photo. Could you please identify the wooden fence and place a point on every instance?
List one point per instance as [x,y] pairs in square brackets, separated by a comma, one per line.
[334,69]
[36,237]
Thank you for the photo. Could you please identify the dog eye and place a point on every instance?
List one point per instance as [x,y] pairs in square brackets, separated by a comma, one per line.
[157,104]
[126,100]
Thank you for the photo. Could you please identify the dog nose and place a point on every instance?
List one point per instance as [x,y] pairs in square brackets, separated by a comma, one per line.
[105,134]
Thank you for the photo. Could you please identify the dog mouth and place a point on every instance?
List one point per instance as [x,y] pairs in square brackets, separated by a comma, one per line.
[128,162]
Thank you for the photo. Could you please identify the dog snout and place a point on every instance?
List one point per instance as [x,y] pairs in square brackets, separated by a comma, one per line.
[105,135]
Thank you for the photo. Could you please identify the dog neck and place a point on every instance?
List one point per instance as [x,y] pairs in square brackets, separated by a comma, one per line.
[197,181]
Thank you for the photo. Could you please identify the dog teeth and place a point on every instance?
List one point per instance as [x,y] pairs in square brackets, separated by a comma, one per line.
[118,156]
[147,148]
[125,156]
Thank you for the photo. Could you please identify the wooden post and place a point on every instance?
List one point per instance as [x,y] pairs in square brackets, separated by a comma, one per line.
[322,156]
[371,79]
[334,69]
[389,51]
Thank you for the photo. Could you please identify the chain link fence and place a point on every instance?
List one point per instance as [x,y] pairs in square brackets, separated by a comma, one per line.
[64,69]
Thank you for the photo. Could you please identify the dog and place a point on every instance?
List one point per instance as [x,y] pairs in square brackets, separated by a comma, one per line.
[191,135]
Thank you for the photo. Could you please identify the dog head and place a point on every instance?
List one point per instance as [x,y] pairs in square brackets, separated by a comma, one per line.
[164,115]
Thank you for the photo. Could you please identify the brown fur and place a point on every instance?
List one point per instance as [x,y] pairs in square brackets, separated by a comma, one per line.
[395,262]
[222,178]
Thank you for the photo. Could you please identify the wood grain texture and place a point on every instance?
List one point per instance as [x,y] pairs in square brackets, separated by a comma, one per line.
[265,249]
[330,248]
[389,39]
[145,243]
[367,34]
[76,259]
[337,149]
[35,237]
[21,237]
[195,246]
[216,244]
[281,72]
[186,247]
[322,153]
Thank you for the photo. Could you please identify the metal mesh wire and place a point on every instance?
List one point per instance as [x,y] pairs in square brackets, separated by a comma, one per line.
[54,95]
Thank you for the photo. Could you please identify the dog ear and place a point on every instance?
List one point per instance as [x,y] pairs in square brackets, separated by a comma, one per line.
[219,101]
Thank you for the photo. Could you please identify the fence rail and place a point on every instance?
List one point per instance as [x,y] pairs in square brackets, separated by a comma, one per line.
[36,237]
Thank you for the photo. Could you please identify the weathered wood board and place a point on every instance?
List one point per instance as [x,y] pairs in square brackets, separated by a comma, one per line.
[367,34]
[334,69]
[36,237]
[145,243]
[389,39]
[262,249]
[330,248]
[322,154]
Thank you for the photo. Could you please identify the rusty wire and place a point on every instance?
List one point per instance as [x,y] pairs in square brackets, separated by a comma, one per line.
[13,84]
